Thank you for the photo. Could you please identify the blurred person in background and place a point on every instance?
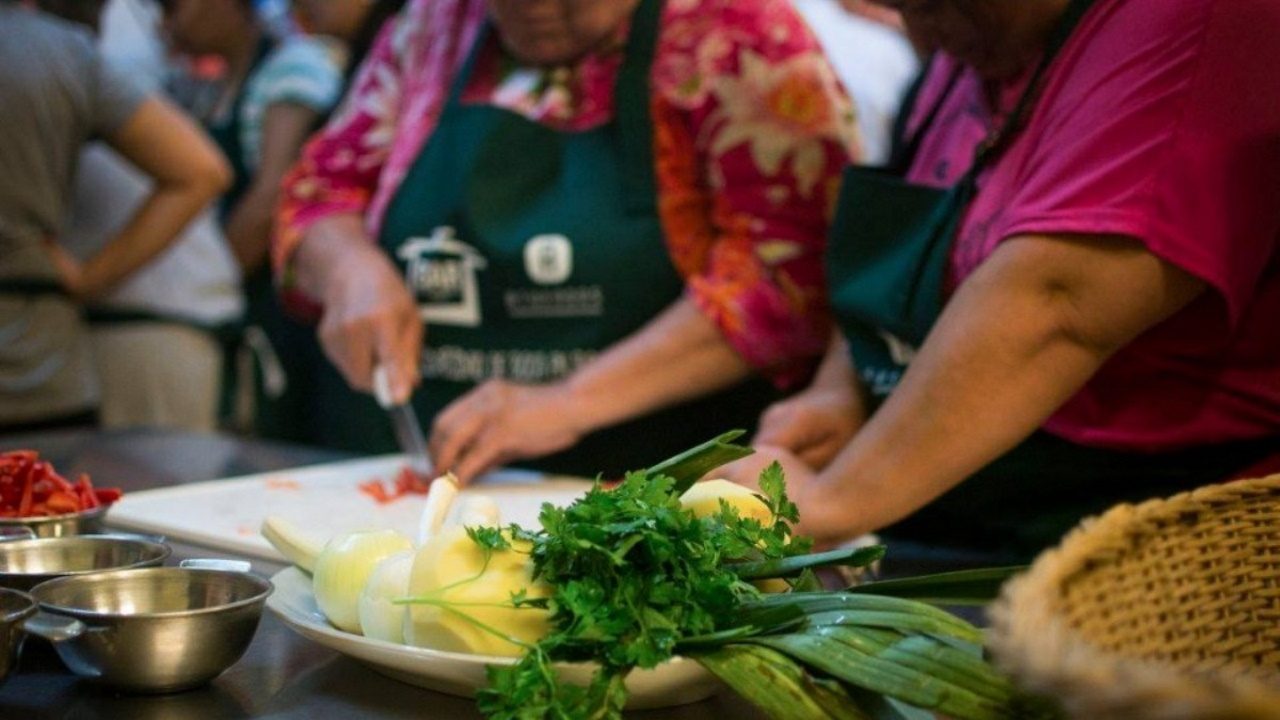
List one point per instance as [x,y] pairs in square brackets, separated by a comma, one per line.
[56,95]
[270,97]
[356,23]
[874,59]
[1069,300]
[160,338]
[608,214]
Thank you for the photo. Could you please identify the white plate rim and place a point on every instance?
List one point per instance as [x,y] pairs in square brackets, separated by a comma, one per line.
[677,682]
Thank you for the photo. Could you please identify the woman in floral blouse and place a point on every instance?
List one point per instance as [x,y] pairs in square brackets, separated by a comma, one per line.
[609,215]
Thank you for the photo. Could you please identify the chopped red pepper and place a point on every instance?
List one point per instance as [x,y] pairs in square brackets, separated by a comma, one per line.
[30,487]
[406,482]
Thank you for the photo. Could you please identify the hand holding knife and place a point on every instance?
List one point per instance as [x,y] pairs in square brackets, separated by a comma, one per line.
[405,423]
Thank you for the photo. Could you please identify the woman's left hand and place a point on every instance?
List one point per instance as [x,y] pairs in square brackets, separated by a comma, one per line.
[499,422]
[70,272]
[822,518]
[747,471]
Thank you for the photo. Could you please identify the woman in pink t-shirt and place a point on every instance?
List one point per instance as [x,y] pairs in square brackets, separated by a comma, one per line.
[1087,309]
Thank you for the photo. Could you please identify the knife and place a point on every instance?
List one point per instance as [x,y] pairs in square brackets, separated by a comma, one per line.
[405,423]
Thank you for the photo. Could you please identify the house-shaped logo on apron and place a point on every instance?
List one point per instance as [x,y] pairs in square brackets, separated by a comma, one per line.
[441,273]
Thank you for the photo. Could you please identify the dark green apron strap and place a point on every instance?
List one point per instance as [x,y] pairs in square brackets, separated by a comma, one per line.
[965,190]
[994,142]
[632,110]
[904,148]
[228,333]
[31,287]
[227,137]
[459,82]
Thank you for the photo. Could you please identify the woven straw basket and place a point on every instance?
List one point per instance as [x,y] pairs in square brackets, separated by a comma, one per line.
[1168,610]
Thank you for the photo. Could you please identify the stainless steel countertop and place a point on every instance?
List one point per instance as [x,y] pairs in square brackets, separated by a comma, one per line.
[282,675]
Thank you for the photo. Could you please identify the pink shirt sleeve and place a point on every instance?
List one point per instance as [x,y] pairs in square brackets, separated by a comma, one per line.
[1175,142]
[1159,122]
[339,167]
[356,162]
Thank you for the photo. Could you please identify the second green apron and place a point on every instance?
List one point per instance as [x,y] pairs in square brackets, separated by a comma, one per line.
[887,260]
[529,250]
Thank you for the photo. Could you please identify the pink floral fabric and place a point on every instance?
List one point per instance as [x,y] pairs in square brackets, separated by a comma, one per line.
[751,131]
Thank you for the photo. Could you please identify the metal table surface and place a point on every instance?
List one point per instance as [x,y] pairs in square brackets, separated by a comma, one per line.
[282,675]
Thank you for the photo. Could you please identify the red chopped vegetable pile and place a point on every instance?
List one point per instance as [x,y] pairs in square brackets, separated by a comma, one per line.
[406,483]
[30,487]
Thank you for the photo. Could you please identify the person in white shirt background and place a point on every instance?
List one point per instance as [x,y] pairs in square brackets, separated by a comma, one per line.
[157,338]
[874,59]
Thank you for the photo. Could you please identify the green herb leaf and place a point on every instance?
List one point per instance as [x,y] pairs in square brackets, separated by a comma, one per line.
[691,465]
[963,587]
[794,565]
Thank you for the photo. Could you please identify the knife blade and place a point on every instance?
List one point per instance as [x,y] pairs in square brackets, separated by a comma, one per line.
[404,421]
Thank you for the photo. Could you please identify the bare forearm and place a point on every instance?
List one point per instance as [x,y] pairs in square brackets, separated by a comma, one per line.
[1012,346]
[151,229]
[188,172]
[248,229]
[678,356]
[327,245]
[368,318]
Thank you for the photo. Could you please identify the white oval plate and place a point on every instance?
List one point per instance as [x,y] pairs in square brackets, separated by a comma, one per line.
[677,682]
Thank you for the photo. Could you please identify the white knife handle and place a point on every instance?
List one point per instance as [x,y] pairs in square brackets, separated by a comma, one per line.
[382,387]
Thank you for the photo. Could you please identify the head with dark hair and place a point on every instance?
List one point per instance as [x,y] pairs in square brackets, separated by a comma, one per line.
[355,22]
[200,27]
[996,37]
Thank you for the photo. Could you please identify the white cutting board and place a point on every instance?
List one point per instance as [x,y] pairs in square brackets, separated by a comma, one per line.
[322,500]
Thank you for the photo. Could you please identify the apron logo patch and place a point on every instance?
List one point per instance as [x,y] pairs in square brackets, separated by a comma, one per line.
[548,259]
[548,263]
[901,352]
[441,273]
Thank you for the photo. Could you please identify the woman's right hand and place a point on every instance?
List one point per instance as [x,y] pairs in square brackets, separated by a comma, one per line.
[817,422]
[369,317]
[814,424]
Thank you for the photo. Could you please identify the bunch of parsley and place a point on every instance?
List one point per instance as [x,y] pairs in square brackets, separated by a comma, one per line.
[637,579]
[634,575]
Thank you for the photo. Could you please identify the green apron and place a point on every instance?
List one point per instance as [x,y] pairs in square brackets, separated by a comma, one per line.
[529,250]
[277,362]
[889,249]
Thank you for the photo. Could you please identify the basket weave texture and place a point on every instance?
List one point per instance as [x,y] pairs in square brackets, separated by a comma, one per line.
[1167,610]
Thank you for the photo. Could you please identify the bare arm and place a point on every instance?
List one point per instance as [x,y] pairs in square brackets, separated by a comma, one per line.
[815,423]
[677,356]
[1020,337]
[189,172]
[285,127]
[368,315]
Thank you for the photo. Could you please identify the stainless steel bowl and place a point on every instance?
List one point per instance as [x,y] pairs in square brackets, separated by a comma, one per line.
[15,608]
[88,522]
[154,629]
[27,563]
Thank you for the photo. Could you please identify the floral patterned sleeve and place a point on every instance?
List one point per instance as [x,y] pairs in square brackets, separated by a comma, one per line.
[355,164]
[752,131]
[339,167]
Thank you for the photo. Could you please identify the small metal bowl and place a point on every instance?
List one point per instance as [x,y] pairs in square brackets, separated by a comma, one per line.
[89,522]
[152,629]
[27,563]
[15,608]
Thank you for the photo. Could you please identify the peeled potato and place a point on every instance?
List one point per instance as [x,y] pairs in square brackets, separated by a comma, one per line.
[474,597]
[704,500]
